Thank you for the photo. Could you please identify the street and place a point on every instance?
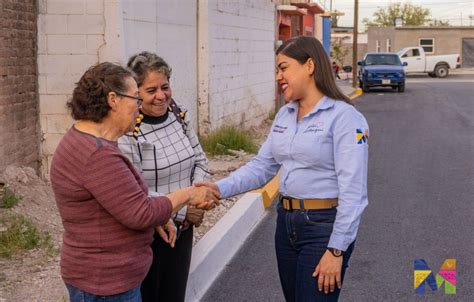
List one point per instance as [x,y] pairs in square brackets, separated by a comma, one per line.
[421,188]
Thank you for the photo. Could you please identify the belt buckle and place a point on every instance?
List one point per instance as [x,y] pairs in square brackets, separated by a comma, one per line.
[288,200]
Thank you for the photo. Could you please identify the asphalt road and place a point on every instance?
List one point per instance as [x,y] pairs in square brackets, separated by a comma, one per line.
[421,201]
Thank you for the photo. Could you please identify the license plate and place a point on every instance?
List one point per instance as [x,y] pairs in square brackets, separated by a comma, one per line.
[385,82]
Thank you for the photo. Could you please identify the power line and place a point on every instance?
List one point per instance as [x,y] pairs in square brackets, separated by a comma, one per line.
[450,11]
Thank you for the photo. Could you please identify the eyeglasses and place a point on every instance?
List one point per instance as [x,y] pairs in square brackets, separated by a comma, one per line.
[138,99]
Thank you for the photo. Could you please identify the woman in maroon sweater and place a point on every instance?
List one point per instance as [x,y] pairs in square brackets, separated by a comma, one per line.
[107,214]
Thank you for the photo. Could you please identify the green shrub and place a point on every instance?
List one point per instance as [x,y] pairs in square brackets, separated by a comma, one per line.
[18,234]
[7,198]
[271,115]
[228,138]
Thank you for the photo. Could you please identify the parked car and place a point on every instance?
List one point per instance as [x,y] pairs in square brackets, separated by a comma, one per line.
[435,66]
[381,69]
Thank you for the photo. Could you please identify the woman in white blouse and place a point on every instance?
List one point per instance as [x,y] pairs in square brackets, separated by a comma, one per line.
[166,150]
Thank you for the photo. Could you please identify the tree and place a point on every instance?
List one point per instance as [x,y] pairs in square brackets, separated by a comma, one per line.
[338,52]
[413,15]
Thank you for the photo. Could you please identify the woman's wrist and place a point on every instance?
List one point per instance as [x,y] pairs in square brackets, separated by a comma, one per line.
[180,198]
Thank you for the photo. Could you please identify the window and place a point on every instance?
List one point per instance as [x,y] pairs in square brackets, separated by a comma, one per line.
[377,46]
[412,53]
[427,45]
[382,59]
[389,45]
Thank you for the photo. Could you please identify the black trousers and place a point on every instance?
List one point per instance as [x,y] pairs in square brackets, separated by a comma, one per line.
[168,275]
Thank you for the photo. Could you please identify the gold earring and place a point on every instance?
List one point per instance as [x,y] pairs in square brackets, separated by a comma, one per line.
[136,130]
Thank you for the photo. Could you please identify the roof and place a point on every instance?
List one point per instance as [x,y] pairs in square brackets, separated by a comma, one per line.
[435,27]
[313,8]
[292,10]
[427,27]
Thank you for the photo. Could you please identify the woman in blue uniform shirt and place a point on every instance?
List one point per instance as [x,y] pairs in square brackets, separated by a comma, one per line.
[319,140]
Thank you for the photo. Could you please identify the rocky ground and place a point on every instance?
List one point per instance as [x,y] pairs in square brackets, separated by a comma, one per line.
[34,275]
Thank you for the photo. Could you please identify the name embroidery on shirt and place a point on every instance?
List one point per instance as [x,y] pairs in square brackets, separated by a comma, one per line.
[279,129]
[318,127]
[362,137]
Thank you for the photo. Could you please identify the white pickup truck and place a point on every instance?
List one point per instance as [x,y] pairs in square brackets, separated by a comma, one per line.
[435,66]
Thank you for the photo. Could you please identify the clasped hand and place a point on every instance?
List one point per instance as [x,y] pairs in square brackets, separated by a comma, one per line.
[205,195]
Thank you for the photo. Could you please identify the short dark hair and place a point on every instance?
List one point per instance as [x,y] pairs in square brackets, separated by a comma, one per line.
[145,62]
[302,48]
[89,98]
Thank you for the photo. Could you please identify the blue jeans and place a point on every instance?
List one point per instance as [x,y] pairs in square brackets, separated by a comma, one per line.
[77,295]
[301,239]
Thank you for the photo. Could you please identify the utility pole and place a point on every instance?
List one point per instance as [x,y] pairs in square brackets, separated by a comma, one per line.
[354,43]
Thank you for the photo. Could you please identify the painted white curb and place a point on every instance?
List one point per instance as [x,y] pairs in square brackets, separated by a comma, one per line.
[217,247]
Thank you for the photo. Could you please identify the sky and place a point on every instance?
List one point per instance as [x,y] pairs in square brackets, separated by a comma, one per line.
[456,12]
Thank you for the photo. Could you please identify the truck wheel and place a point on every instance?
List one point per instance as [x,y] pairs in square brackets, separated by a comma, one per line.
[432,74]
[441,71]
[401,87]
[360,84]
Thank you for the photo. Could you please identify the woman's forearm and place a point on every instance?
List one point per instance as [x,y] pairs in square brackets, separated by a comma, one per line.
[179,198]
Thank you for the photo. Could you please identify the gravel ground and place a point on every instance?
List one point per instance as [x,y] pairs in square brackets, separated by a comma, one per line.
[221,166]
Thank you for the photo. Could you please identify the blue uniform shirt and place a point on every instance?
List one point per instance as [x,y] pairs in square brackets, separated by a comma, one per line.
[324,155]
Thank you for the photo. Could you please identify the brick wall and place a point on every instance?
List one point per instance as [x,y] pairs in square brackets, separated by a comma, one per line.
[18,84]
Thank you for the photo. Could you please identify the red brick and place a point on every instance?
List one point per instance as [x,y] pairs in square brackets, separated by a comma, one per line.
[18,83]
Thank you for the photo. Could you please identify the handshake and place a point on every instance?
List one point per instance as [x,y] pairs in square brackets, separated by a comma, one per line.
[200,197]
[204,195]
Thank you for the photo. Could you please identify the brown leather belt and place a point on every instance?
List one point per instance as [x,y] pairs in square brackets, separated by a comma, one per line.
[289,203]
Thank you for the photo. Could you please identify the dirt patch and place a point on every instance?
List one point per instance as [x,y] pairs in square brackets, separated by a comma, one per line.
[34,275]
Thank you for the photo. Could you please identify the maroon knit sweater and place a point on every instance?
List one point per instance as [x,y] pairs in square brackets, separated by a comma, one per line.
[107,215]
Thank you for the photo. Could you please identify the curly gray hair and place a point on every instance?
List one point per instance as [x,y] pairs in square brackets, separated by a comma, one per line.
[144,62]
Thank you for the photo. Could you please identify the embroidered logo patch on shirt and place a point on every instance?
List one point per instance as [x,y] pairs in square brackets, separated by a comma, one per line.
[279,129]
[317,127]
[362,137]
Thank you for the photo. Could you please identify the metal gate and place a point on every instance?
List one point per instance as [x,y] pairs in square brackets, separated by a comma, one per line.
[467,52]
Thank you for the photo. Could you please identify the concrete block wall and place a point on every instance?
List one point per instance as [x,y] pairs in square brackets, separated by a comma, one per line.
[447,40]
[239,64]
[381,34]
[241,61]
[19,141]
[72,36]
[167,28]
